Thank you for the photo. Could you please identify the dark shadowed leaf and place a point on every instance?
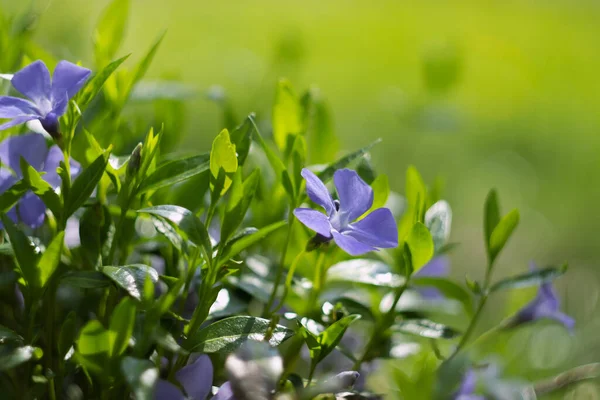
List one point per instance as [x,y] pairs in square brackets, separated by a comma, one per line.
[141,376]
[11,357]
[343,162]
[8,335]
[228,334]
[66,337]
[24,250]
[85,184]
[534,278]
[121,326]
[49,260]
[425,328]
[10,197]
[175,171]
[131,277]
[330,337]
[241,137]
[86,279]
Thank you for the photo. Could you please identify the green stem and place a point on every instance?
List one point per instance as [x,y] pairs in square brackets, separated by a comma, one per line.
[280,267]
[288,282]
[318,279]
[313,367]
[381,326]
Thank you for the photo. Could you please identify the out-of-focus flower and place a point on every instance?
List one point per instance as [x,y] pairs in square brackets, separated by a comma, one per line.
[32,147]
[438,267]
[545,305]
[376,230]
[467,388]
[48,98]
[196,379]
[225,392]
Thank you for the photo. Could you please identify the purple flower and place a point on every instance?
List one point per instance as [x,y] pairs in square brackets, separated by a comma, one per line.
[467,388]
[225,392]
[545,305]
[32,147]
[437,267]
[376,230]
[48,99]
[196,379]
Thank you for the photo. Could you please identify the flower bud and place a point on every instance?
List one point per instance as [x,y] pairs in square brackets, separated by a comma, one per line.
[133,166]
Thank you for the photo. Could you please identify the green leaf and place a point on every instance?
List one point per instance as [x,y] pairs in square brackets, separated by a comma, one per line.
[187,222]
[121,326]
[425,328]
[25,251]
[142,67]
[448,288]
[438,219]
[94,85]
[491,216]
[364,271]
[233,248]
[8,335]
[93,339]
[94,228]
[274,160]
[12,357]
[502,233]
[286,114]
[10,197]
[131,277]
[241,137]
[223,155]
[175,171]
[381,191]
[533,278]
[49,261]
[228,334]
[330,337]
[239,203]
[318,126]
[110,29]
[420,244]
[86,279]
[67,334]
[84,185]
[141,376]
[298,161]
[343,162]
[41,188]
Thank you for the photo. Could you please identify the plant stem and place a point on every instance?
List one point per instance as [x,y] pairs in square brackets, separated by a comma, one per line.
[288,282]
[318,279]
[382,325]
[280,267]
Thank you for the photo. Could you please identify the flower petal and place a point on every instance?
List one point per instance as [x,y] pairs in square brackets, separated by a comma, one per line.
[314,220]
[17,121]
[439,266]
[317,191]
[225,392]
[564,319]
[7,179]
[165,390]
[33,81]
[68,78]
[32,210]
[196,378]
[351,245]
[11,107]
[378,229]
[53,160]
[356,197]
[32,147]
[60,103]
[468,383]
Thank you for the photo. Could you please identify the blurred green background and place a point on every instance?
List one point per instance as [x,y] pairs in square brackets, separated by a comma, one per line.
[485,94]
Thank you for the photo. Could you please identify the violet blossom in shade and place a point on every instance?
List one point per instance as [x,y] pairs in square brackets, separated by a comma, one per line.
[30,209]
[195,378]
[48,98]
[225,392]
[376,230]
[466,390]
[545,305]
[435,268]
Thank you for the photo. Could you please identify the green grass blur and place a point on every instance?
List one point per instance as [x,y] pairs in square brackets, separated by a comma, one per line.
[485,94]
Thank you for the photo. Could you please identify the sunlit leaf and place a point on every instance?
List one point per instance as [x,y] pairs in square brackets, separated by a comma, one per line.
[131,277]
[421,246]
[223,155]
[330,337]
[121,326]
[502,233]
[12,357]
[175,171]
[286,114]
[438,219]
[425,328]
[49,261]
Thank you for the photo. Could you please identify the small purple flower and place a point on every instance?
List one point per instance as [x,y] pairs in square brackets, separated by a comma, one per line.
[48,99]
[376,230]
[225,392]
[196,379]
[32,147]
[467,388]
[545,305]
[437,267]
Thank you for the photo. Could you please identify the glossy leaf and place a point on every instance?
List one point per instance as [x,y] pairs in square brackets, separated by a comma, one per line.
[41,188]
[8,335]
[131,278]
[343,162]
[330,337]
[121,326]
[364,271]
[421,246]
[49,261]
[502,233]
[425,328]
[24,250]
[175,171]
[228,334]
[223,155]
[286,114]
[533,278]
[141,376]
[438,219]
[94,85]
[13,357]
[85,184]
[10,197]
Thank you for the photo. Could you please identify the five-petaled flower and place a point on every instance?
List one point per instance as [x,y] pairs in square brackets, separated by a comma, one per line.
[195,378]
[376,230]
[545,305]
[48,98]
[32,147]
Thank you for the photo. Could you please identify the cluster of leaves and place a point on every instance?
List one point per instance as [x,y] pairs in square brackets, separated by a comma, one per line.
[186,254]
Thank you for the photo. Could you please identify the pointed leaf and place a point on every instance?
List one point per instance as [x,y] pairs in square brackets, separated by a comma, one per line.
[94,85]
[502,233]
[175,171]
[241,137]
[438,219]
[533,278]
[318,126]
[41,188]
[223,155]
[9,198]
[343,162]
[420,244]
[131,277]
[84,185]
[491,216]
[49,260]
[25,252]
[425,328]
[121,326]
[331,336]
[111,29]
[286,114]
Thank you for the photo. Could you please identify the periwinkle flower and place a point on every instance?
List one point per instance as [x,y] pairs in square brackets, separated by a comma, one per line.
[32,147]
[48,98]
[195,378]
[437,267]
[467,387]
[225,392]
[545,305]
[376,230]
